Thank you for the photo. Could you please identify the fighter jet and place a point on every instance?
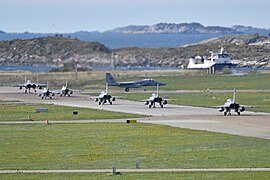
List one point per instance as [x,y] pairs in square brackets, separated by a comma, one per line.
[155,98]
[132,84]
[65,91]
[231,104]
[104,97]
[46,93]
[28,85]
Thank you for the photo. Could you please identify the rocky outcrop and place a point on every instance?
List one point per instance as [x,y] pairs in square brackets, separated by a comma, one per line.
[53,51]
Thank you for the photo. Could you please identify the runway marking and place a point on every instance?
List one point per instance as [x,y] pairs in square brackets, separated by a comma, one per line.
[136,170]
[65,121]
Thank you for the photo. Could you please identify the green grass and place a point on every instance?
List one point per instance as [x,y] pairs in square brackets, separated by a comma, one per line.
[104,145]
[189,175]
[175,79]
[260,81]
[259,100]
[20,112]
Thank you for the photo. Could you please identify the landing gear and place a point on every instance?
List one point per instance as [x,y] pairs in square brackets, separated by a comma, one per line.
[227,113]
[238,113]
[161,105]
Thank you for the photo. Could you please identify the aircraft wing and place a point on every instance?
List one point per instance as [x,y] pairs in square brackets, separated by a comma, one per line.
[41,85]
[56,91]
[19,85]
[51,91]
[217,107]
[129,85]
[247,106]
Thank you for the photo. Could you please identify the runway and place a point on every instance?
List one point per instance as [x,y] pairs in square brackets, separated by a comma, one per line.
[248,124]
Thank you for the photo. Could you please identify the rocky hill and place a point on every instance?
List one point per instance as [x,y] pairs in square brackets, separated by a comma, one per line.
[247,50]
[172,28]
[189,28]
[52,51]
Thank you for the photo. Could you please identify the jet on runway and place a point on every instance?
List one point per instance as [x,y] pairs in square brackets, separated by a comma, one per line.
[28,85]
[155,98]
[104,97]
[46,93]
[132,84]
[231,104]
[65,91]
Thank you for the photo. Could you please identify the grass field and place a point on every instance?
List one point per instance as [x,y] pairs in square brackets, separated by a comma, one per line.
[131,176]
[175,79]
[200,82]
[260,81]
[21,112]
[104,145]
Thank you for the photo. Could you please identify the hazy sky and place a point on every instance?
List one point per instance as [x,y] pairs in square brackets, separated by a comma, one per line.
[101,15]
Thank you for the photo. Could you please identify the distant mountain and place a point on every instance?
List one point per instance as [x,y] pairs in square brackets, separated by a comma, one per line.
[145,36]
[172,28]
[251,30]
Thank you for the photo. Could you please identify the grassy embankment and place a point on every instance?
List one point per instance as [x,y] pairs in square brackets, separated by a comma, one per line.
[21,112]
[103,145]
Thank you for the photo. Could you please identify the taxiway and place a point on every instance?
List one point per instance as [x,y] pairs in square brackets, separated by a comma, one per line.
[248,124]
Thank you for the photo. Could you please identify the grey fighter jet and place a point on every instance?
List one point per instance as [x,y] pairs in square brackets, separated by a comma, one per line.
[132,84]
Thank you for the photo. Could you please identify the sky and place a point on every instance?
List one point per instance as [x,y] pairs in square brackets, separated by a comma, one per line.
[52,16]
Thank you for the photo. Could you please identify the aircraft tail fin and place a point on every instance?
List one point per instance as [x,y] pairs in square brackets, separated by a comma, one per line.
[110,80]
[106,91]
[234,93]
